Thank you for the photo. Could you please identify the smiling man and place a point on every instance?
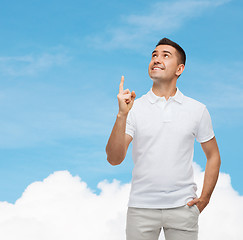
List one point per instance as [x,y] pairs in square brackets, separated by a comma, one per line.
[163,125]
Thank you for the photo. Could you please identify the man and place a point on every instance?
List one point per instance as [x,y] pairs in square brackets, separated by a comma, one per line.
[163,125]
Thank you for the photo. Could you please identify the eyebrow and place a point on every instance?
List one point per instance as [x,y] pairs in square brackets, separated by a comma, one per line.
[164,51]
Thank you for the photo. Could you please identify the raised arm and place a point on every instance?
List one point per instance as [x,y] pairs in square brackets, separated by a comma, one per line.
[211,151]
[119,141]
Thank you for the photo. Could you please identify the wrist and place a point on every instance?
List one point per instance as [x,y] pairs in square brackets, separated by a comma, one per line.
[205,199]
[122,115]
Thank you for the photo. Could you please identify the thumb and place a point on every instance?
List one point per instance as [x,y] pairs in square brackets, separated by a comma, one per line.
[192,202]
[133,95]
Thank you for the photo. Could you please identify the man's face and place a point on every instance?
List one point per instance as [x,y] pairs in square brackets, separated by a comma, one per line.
[164,64]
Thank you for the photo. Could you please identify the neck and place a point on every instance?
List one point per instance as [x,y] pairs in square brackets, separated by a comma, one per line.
[164,90]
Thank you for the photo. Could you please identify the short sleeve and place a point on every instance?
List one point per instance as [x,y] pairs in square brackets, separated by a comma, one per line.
[205,129]
[130,124]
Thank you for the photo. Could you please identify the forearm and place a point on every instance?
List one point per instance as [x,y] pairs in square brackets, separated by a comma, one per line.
[210,176]
[116,147]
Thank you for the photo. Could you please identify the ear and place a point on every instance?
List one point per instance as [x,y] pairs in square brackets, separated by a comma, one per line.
[180,69]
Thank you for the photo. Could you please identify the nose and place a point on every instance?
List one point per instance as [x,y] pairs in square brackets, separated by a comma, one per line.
[158,61]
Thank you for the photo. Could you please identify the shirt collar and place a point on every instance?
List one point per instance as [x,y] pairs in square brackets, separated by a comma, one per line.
[178,97]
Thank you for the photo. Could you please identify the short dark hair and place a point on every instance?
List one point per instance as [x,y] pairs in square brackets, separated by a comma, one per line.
[182,54]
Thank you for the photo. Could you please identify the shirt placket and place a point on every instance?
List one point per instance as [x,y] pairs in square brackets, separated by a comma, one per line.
[166,111]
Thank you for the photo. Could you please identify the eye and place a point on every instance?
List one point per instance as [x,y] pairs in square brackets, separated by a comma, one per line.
[166,56]
[154,55]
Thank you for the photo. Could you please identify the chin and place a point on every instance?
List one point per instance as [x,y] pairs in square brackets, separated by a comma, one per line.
[158,78]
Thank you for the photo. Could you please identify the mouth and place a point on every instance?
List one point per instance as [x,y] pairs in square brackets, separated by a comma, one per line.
[158,67]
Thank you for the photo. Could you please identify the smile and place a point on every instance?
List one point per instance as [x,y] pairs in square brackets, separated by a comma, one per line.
[158,67]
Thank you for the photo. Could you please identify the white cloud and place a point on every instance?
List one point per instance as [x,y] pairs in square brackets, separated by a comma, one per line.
[63,207]
[30,64]
[161,17]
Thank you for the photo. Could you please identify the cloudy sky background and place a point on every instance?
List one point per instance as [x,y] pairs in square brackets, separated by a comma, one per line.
[60,67]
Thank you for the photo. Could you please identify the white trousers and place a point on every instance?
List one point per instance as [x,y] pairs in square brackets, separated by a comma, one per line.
[179,223]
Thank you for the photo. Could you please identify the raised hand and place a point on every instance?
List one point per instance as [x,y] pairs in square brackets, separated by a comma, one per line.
[125,98]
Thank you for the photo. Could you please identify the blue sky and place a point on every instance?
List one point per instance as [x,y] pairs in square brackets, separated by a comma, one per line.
[60,68]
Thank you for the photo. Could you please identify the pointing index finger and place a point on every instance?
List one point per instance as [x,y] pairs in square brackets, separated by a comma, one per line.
[121,85]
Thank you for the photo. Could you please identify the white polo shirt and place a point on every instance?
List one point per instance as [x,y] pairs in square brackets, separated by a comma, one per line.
[163,144]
